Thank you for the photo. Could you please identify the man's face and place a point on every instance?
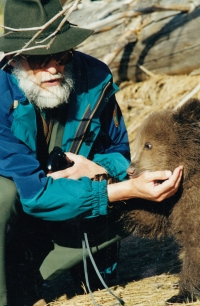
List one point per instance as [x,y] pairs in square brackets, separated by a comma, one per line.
[49,73]
[47,86]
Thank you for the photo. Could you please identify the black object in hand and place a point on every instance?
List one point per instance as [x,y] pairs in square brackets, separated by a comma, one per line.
[58,160]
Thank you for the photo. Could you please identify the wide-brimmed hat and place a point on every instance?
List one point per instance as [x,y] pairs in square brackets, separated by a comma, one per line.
[35,13]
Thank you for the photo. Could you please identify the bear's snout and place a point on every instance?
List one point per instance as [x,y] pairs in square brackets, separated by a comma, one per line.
[131,171]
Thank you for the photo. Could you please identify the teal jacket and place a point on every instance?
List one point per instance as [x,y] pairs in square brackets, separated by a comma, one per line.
[105,142]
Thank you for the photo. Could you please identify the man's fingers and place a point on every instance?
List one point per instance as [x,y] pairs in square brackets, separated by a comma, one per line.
[164,175]
[170,186]
[175,178]
[71,156]
[58,174]
[157,175]
[178,170]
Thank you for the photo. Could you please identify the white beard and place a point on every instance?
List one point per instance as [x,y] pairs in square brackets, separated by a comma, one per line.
[50,97]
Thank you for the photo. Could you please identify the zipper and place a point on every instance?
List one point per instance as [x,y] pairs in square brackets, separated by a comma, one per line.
[85,122]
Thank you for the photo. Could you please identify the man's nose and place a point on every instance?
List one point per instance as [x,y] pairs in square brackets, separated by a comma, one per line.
[52,67]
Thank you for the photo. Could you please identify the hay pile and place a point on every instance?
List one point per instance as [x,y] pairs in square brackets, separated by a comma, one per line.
[147,268]
[137,100]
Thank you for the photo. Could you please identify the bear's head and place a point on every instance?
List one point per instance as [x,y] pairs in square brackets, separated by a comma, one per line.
[167,139]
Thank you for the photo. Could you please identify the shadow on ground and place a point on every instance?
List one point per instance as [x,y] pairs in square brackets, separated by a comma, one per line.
[139,259]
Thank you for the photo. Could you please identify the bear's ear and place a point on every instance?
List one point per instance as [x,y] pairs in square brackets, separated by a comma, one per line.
[189,112]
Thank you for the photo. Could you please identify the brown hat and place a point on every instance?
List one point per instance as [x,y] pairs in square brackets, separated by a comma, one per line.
[35,13]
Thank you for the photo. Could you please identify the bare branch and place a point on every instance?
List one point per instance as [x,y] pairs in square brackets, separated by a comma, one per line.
[6,34]
[70,10]
[21,29]
[42,28]
[18,52]
[188,96]
[145,70]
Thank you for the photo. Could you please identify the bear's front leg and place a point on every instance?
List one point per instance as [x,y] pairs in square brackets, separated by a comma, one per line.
[189,285]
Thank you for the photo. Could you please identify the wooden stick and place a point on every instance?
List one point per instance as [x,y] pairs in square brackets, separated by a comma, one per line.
[188,96]
[145,70]
[21,29]
[24,49]
[110,26]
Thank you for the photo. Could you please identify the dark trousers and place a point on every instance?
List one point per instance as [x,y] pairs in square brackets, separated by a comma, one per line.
[33,249]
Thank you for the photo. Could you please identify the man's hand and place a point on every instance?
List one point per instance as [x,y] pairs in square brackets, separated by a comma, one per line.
[82,167]
[146,186]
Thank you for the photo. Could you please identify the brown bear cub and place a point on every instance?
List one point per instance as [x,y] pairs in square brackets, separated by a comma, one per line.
[165,140]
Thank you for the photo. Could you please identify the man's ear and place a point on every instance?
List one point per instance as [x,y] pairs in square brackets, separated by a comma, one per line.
[12,62]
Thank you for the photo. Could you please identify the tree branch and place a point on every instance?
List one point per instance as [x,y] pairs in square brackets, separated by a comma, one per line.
[70,10]
[19,30]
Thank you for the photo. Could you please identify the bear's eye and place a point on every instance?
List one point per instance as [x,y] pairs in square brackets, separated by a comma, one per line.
[148,146]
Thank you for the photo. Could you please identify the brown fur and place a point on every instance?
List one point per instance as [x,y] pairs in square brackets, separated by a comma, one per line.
[165,140]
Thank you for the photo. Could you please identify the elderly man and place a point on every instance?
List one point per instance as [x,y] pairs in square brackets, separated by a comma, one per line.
[55,96]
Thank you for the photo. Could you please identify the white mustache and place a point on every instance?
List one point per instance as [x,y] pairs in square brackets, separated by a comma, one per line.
[49,77]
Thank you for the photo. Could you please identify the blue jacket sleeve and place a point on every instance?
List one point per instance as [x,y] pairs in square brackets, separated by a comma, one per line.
[43,197]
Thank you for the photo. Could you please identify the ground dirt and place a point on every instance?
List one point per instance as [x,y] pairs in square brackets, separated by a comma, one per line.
[148,269]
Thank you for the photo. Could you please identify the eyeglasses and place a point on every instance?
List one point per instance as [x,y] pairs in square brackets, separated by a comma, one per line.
[41,61]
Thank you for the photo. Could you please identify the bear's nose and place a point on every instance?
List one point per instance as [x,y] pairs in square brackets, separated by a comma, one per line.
[131,170]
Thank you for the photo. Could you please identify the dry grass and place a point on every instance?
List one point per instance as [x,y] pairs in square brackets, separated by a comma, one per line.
[137,100]
[146,292]
[147,271]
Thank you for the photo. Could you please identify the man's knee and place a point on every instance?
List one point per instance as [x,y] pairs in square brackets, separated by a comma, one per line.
[9,198]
